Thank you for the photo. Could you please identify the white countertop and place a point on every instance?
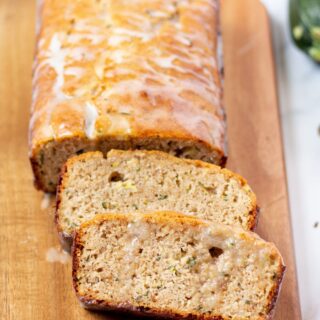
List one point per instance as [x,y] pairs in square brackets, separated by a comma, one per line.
[299,94]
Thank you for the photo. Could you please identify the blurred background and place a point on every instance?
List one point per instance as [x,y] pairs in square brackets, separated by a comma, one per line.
[299,94]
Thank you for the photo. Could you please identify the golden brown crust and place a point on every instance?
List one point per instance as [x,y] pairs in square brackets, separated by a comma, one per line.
[93,304]
[166,217]
[149,71]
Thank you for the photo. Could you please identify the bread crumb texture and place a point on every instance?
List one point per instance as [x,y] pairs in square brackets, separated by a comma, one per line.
[129,181]
[176,265]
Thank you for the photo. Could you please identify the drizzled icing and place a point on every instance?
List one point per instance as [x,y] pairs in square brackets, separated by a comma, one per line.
[143,35]
[146,57]
[91,115]
[74,71]
[56,60]
[137,231]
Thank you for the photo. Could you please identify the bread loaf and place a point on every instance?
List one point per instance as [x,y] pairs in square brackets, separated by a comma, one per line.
[175,266]
[125,74]
[130,181]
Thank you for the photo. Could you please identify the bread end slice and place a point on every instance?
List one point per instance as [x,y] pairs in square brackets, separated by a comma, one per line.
[178,267]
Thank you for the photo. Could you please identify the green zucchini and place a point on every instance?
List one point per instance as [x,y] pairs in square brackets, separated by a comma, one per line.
[305,26]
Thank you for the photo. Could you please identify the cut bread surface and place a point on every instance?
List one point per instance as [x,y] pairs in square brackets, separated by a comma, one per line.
[130,181]
[48,160]
[173,265]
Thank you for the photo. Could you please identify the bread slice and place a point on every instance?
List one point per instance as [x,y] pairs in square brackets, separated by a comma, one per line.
[176,266]
[128,181]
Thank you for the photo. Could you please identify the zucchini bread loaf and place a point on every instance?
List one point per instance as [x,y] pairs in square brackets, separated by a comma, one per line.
[175,266]
[125,74]
[130,181]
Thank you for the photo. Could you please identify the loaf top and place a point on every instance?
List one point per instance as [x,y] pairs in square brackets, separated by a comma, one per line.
[169,264]
[127,68]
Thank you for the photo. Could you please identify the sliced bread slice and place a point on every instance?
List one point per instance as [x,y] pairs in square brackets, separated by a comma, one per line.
[129,181]
[165,264]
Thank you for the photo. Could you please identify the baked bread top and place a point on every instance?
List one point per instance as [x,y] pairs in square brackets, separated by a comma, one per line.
[122,68]
[131,181]
[175,266]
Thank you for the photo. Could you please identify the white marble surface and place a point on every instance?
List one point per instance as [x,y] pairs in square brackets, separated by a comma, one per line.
[299,91]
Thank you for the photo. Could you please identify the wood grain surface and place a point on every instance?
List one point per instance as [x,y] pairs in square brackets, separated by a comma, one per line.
[34,288]
[254,132]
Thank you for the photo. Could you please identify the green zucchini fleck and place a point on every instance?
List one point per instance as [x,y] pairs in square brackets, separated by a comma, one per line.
[162,196]
[191,262]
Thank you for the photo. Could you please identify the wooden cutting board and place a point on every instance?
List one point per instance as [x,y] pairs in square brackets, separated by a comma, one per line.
[32,287]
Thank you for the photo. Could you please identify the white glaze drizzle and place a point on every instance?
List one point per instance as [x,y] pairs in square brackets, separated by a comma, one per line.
[117,56]
[75,71]
[56,59]
[158,14]
[99,70]
[116,40]
[91,115]
[165,62]
[143,35]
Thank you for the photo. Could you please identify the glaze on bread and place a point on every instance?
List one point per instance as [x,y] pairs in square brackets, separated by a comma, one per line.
[125,74]
[175,266]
